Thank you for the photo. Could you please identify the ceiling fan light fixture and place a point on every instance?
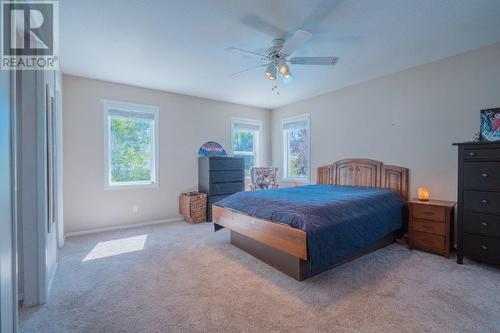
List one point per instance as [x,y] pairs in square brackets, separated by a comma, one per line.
[287,76]
[284,69]
[271,72]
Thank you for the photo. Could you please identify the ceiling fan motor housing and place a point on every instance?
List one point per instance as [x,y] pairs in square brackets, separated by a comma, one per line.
[274,52]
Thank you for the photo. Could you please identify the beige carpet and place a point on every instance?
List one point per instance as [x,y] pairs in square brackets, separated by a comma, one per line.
[186,278]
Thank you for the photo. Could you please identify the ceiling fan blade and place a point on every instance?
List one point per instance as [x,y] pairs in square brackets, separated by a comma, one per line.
[299,37]
[263,26]
[335,38]
[248,69]
[314,60]
[246,52]
[319,14]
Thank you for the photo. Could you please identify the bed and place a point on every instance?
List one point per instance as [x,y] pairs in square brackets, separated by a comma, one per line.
[356,207]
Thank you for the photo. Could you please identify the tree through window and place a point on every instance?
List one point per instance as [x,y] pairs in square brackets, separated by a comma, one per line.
[296,148]
[131,144]
[245,141]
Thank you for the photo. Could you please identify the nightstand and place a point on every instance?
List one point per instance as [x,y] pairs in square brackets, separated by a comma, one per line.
[431,226]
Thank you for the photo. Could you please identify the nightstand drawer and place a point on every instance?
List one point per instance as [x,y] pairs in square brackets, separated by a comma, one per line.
[483,224]
[431,227]
[429,212]
[482,248]
[429,242]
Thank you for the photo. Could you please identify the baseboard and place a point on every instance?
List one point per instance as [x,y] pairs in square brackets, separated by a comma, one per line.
[121,227]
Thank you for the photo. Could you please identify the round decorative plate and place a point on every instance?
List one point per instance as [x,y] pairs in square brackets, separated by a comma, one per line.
[211,148]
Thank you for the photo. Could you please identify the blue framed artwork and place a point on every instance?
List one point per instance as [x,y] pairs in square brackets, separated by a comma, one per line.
[490,124]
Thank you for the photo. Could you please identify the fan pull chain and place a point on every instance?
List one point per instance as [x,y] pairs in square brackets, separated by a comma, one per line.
[275,87]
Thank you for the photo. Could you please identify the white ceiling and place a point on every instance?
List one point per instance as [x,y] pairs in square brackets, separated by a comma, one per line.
[181,46]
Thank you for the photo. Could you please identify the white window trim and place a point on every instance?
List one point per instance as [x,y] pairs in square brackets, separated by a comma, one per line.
[256,146]
[303,117]
[139,108]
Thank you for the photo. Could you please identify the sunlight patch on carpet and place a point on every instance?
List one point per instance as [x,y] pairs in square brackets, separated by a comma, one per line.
[116,247]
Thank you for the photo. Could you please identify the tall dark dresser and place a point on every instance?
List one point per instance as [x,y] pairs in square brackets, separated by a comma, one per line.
[478,234]
[220,177]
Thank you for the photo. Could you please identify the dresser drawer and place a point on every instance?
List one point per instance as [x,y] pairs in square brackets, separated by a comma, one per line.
[432,227]
[428,242]
[226,188]
[226,164]
[484,224]
[482,201]
[482,248]
[227,176]
[471,154]
[428,212]
[482,175]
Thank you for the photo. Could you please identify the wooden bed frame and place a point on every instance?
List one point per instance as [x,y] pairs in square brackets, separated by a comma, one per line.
[284,247]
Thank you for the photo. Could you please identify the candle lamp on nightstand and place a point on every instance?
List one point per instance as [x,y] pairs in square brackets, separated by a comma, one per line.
[423,194]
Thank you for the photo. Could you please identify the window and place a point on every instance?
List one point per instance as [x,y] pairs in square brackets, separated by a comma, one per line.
[296,135]
[131,145]
[245,141]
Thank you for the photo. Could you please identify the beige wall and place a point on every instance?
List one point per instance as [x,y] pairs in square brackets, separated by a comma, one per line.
[410,118]
[185,123]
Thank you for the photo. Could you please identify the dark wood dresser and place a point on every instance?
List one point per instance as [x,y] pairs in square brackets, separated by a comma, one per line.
[220,177]
[478,234]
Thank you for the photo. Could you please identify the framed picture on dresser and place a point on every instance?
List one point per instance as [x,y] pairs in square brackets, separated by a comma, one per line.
[490,124]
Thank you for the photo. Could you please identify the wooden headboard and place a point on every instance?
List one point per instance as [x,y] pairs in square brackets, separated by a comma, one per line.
[365,172]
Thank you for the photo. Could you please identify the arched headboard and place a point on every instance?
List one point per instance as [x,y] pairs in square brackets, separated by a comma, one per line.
[365,172]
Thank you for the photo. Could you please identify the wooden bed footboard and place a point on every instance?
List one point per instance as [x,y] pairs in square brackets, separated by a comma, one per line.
[278,236]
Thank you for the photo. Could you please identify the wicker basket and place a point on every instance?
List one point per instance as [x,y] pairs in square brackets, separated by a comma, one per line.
[193,206]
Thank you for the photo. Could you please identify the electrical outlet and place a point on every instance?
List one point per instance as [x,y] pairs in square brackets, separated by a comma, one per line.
[135,208]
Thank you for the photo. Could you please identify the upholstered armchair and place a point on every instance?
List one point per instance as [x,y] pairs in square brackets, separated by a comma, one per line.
[263,178]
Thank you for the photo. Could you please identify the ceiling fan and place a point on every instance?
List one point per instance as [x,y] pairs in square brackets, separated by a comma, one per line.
[277,57]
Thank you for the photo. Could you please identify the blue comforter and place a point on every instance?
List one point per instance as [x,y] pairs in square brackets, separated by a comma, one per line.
[338,220]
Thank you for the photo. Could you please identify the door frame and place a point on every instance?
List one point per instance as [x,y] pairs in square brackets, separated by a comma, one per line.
[8,234]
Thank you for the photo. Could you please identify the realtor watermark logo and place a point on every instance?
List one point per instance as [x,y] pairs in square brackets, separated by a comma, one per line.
[30,35]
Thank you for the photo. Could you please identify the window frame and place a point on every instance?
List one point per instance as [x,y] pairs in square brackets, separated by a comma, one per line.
[109,105]
[285,149]
[256,145]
